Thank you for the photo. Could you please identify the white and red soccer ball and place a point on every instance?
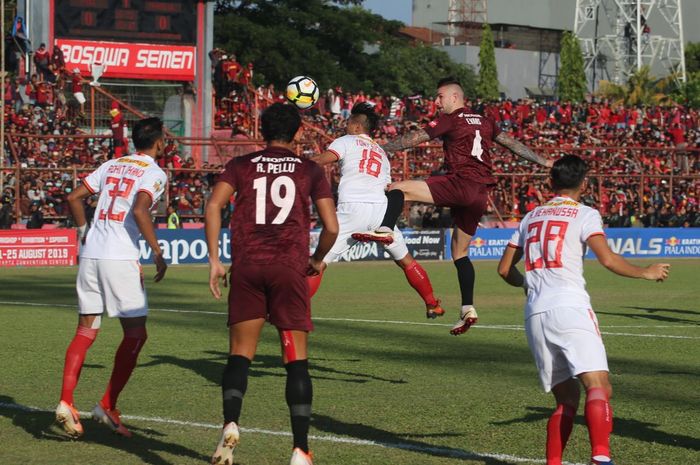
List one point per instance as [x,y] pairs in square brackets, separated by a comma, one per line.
[302,91]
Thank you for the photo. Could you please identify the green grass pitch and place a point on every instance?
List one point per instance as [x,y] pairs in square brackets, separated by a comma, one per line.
[390,387]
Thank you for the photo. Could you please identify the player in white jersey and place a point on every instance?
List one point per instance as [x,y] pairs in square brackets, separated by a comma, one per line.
[109,275]
[562,329]
[365,172]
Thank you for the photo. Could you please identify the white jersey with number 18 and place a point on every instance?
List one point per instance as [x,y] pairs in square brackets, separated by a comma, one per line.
[114,234]
[553,238]
[365,170]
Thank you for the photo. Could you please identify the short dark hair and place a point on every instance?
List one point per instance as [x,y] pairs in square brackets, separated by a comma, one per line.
[370,121]
[280,122]
[147,132]
[447,81]
[568,172]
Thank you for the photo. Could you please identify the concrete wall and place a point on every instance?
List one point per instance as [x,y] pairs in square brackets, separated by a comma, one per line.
[548,14]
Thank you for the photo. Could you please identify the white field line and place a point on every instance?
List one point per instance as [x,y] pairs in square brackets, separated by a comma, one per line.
[442,451]
[399,322]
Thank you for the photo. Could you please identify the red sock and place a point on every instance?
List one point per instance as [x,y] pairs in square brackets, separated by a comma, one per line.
[314,283]
[75,356]
[418,279]
[558,430]
[124,363]
[599,421]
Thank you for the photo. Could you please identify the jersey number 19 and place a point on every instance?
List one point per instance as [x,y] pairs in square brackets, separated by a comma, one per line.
[283,201]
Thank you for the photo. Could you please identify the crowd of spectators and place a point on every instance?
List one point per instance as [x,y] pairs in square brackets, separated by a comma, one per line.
[620,144]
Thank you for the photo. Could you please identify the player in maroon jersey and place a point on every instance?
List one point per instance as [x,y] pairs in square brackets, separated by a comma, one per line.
[467,140]
[270,250]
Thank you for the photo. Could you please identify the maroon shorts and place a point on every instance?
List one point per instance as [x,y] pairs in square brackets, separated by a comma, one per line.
[468,200]
[275,292]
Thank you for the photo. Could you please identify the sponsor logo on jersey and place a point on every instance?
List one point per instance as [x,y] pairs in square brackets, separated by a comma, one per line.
[133,161]
[264,159]
[433,123]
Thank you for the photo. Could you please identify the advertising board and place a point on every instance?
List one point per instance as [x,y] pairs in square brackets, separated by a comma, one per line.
[38,247]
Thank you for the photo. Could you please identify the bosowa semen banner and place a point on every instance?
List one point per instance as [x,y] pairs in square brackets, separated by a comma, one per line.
[38,247]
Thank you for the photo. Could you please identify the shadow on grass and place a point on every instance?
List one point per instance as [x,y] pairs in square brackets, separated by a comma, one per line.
[401,441]
[651,314]
[143,444]
[211,368]
[623,427]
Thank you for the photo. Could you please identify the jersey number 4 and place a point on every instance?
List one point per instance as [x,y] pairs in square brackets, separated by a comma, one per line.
[371,162]
[283,202]
[547,247]
[122,189]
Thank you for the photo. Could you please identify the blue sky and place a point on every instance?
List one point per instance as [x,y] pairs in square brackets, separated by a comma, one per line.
[391,9]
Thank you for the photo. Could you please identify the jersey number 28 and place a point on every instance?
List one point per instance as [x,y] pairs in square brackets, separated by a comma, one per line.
[283,199]
[549,246]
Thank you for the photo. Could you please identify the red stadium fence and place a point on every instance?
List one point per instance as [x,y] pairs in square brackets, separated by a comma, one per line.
[629,173]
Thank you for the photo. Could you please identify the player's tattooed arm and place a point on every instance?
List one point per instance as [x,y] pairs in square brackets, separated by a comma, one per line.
[522,150]
[410,139]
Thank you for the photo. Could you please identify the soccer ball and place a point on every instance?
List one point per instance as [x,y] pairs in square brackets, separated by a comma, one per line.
[302,91]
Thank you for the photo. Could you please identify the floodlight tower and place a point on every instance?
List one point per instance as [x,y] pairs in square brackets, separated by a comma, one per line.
[617,39]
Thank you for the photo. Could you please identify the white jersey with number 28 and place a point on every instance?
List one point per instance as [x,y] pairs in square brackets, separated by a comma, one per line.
[365,170]
[114,234]
[553,238]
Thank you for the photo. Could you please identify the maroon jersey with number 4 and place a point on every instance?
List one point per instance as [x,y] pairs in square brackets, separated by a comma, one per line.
[467,140]
[271,218]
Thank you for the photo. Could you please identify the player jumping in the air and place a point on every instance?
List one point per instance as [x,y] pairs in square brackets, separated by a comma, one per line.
[364,174]
[109,275]
[467,140]
[562,329]
[270,246]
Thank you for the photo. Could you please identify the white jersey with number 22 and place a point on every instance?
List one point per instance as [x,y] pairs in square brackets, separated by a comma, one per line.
[553,238]
[114,233]
[365,170]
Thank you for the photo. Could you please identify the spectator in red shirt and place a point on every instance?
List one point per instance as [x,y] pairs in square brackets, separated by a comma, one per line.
[77,89]
[42,58]
[119,140]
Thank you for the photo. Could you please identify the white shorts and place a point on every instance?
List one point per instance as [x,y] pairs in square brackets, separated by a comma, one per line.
[80,97]
[565,343]
[114,285]
[359,217]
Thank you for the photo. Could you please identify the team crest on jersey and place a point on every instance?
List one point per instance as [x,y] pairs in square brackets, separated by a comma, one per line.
[433,123]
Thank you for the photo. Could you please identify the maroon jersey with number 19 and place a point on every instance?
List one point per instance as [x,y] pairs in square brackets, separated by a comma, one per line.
[271,218]
[467,139]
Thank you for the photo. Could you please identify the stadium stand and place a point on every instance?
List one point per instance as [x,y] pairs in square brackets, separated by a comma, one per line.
[644,160]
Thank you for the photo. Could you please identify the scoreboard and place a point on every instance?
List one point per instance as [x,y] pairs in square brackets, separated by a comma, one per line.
[143,21]
[131,39]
